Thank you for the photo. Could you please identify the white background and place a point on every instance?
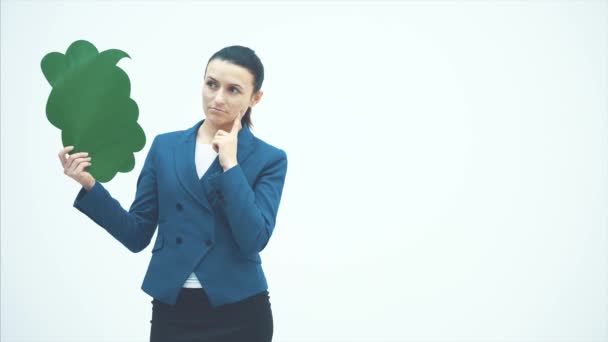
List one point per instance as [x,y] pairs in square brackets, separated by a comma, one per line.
[447,179]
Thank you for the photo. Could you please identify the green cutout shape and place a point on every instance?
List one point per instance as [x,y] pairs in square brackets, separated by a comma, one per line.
[91,106]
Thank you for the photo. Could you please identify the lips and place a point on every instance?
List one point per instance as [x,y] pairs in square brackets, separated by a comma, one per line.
[216,109]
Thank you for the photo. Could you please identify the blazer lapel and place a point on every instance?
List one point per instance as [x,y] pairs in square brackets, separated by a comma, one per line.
[185,166]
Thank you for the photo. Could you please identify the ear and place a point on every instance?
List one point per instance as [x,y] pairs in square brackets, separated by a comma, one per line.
[256,98]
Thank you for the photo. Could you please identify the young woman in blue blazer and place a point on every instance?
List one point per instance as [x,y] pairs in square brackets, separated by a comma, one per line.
[205,273]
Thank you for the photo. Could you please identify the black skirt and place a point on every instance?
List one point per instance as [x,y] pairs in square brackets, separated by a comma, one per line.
[193,319]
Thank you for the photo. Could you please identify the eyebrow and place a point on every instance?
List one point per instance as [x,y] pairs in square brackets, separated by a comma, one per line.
[232,84]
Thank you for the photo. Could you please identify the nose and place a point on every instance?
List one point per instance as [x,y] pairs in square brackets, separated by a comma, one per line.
[219,97]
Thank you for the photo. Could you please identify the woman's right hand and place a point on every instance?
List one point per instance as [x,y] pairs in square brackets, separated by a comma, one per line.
[73,166]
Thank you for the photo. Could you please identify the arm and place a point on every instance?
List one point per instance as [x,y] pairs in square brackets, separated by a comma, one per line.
[251,212]
[133,228]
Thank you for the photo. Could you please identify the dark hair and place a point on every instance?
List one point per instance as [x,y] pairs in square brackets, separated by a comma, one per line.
[246,58]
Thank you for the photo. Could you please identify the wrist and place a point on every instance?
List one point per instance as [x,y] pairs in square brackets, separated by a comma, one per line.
[230,166]
[89,185]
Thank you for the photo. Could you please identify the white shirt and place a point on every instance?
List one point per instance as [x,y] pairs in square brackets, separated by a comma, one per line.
[204,155]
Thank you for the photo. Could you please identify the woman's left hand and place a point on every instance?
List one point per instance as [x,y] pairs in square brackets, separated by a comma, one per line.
[225,144]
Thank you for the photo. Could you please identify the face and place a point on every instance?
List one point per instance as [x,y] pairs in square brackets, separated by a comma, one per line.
[227,92]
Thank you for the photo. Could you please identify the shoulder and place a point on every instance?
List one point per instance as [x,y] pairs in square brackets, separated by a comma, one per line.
[269,158]
[270,151]
[169,136]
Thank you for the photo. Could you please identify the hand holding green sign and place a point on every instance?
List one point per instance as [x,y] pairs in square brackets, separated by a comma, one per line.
[90,103]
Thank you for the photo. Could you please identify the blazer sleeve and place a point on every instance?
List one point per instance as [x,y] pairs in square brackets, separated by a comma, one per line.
[133,228]
[251,212]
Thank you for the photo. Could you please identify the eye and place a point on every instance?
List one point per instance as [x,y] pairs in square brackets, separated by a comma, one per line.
[210,84]
[235,92]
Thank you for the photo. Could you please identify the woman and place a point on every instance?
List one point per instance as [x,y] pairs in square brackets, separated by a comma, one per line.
[213,190]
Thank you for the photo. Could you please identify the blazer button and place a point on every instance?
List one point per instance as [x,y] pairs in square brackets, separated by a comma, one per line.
[208,242]
[178,240]
[179,206]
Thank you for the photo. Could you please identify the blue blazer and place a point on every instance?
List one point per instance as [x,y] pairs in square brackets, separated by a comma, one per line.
[214,226]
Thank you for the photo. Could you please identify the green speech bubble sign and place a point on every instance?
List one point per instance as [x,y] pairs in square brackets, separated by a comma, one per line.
[91,106]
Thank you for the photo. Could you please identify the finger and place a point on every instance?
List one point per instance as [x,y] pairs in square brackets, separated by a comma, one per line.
[81,167]
[79,155]
[215,143]
[74,156]
[66,149]
[76,162]
[63,152]
[236,125]
[62,160]
[221,132]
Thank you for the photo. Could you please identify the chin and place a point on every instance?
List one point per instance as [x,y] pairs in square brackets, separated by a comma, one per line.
[216,119]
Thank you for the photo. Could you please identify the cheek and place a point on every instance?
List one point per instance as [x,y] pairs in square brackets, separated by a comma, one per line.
[232,103]
[242,103]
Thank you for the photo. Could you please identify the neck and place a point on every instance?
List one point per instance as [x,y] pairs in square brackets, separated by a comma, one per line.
[206,132]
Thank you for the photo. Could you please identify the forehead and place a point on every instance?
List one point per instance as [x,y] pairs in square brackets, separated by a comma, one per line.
[226,72]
